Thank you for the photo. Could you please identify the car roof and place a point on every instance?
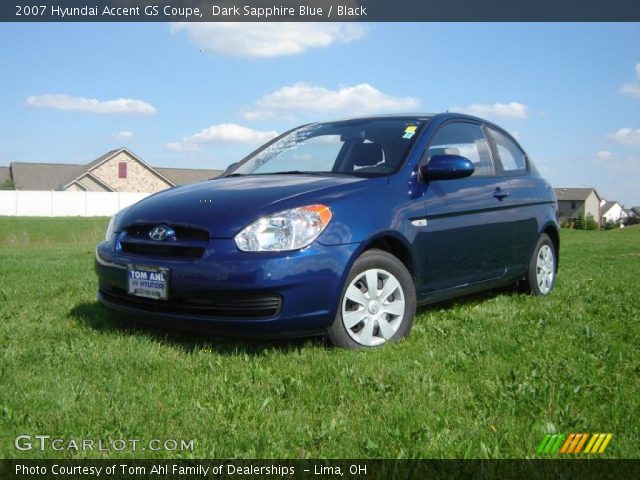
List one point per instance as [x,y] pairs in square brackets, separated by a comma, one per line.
[414,116]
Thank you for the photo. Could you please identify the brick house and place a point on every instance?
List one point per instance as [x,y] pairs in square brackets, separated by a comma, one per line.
[116,171]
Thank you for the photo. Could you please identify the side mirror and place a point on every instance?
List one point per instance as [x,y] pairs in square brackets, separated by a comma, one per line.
[447,167]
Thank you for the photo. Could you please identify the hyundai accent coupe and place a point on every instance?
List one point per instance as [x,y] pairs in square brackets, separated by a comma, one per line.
[339,228]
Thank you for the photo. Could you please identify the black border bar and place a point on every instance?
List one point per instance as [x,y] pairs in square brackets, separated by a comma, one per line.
[320,11]
[580,468]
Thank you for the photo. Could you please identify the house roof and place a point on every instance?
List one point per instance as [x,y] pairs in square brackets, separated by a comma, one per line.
[183,176]
[574,193]
[44,176]
[105,157]
[5,174]
[53,176]
[92,177]
[606,206]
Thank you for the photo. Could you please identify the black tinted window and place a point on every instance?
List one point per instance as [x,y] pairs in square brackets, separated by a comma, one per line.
[510,156]
[465,139]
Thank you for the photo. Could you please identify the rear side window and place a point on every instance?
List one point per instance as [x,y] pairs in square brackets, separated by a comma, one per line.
[511,158]
[465,139]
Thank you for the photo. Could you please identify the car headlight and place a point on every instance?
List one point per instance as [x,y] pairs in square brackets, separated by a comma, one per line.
[287,230]
[113,224]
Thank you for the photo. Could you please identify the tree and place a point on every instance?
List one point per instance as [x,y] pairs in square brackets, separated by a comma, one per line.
[631,220]
[590,223]
[8,185]
[578,224]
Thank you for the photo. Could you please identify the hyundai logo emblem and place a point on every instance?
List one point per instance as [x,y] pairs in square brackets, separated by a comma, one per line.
[161,232]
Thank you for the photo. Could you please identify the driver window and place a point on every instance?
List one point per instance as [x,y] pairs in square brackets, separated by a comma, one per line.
[464,139]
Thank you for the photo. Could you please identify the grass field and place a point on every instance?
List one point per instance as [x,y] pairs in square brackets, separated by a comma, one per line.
[485,376]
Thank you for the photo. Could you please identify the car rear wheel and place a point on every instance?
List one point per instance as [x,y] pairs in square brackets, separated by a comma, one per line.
[377,305]
[541,276]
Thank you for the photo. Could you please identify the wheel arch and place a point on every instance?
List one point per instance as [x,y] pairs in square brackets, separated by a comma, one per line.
[394,245]
[552,231]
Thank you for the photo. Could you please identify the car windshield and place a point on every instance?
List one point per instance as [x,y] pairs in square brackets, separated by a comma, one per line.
[370,147]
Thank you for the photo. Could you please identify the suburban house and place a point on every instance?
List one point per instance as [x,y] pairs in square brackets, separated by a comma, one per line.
[573,201]
[612,212]
[632,214]
[116,171]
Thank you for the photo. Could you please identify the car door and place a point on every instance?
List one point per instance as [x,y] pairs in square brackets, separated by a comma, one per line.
[467,235]
[524,194]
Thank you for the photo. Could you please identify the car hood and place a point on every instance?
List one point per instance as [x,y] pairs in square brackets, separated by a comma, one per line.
[223,206]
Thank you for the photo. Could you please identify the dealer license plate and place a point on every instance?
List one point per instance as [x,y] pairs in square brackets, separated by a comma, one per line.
[149,282]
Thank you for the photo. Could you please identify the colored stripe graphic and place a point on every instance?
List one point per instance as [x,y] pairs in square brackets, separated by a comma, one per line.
[590,444]
[550,443]
[574,443]
[567,444]
[605,443]
[584,439]
[598,443]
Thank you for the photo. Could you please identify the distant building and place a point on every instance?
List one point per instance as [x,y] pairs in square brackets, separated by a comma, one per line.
[612,212]
[116,171]
[573,201]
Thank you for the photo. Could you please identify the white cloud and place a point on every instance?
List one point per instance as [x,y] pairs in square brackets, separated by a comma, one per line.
[307,98]
[604,155]
[500,110]
[222,134]
[626,136]
[268,39]
[632,88]
[82,104]
[124,135]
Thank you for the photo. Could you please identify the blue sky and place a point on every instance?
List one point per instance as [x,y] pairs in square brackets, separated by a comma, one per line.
[204,95]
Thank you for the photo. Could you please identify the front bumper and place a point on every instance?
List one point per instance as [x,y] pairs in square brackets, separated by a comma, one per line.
[232,292]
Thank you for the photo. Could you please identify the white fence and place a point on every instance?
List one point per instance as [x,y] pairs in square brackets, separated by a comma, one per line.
[65,204]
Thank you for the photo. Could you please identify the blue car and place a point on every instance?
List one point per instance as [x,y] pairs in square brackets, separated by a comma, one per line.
[340,228]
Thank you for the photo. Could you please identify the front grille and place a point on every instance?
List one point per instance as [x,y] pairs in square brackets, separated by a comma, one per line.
[141,231]
[188,243]
[160,249]
[227,305]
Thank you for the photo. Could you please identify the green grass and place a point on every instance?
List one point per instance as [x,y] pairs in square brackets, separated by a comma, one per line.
[484,376]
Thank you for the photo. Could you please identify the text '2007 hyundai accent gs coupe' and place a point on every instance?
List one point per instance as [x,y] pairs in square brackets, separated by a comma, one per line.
[338,228]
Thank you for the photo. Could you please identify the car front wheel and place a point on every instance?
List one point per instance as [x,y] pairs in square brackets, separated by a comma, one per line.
[377,305]
[541,276]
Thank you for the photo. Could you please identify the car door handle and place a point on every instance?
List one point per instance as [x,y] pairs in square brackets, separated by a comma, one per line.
[500,194]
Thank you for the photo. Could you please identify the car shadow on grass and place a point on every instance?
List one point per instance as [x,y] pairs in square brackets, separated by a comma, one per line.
[97,317]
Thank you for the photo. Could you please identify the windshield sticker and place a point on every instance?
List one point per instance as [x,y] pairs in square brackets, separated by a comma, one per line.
[410,131]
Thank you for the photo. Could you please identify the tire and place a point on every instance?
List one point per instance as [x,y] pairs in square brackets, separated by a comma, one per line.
[541,275]
[365,322]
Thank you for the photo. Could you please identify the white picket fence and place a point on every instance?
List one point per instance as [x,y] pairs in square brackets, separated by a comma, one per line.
[25,203]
